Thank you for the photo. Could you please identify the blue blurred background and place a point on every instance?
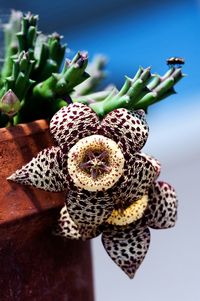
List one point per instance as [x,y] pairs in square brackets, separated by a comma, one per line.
[133,33]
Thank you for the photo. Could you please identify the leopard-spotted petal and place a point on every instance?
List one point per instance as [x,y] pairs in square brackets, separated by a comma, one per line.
[127,246]
[162,206]
[72,123]
[139,173]
[155,163]
[66,226]
[43,171]
[130,130]
[88,209]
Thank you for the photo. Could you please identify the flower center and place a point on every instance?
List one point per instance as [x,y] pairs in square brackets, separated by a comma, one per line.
[95,163]
[134,212]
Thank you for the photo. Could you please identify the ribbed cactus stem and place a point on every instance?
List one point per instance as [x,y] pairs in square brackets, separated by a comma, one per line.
[56,49]
[19,81]
[43,67]
[49,54]
[126,86]
[46,89]
[125,98]
[108,105]
[92,98]
[163,89]
[177,74]
[169,72]
[75,72]
[155,80]
[28,34]
[139,86]
[61,84]
[96,71]
[10,41]
[137,93]
[129,82]
[11,28]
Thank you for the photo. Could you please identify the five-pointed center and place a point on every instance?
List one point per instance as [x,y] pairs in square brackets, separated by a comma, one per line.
[95,163]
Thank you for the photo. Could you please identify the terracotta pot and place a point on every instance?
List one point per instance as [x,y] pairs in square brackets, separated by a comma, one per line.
[35,265]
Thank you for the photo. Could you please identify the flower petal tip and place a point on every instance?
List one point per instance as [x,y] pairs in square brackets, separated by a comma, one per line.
[127,247]
[11,178]
[66,226]
[129,272]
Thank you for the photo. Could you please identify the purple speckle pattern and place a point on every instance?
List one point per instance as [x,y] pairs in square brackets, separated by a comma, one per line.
[126,128]
[44,171]
[127,246]
[85,213]
[162,208]
[72,123]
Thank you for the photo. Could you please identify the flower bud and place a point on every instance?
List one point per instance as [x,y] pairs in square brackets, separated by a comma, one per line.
[10,103]
[81,59]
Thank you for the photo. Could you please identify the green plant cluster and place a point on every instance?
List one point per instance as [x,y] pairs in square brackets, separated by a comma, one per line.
[36,79]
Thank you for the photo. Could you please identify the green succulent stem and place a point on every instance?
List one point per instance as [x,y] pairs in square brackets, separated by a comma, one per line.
[92,98]
[50,95]
[161,90]
[10,42]
[46,89]
[19,81]
[49,54]
[96,71]
[140,92]
[61,84]
[32,86]
[28,34]
[106,106]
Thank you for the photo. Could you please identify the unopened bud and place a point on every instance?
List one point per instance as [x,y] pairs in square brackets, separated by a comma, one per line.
[10,103]
[81,59]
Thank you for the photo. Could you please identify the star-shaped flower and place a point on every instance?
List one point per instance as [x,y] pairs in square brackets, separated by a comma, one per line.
[110,185]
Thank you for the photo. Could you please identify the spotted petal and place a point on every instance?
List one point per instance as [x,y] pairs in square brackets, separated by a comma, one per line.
[130,130]
[154,162]
[43,171]
[88,210]
[66,226]
[72,123]
[127,246]
[139,173]
[162,206]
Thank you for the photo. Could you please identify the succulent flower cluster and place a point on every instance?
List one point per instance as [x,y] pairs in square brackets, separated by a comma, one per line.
[111,186]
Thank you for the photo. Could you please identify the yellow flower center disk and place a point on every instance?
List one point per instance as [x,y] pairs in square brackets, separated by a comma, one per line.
[129,215]
[95,163]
